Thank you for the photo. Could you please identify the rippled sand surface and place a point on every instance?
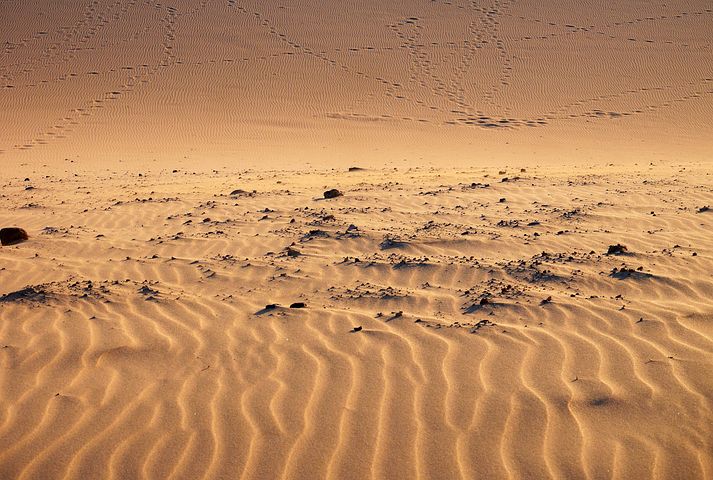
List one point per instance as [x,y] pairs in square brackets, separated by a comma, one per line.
[146,328]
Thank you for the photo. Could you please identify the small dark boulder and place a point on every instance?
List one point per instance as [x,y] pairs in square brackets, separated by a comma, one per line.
[356,329]
[32,294]
[704,209]
[12,236]
[298,305]
[333,193]
[617,249]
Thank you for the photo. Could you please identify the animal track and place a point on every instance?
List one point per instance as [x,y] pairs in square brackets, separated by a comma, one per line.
[462,76]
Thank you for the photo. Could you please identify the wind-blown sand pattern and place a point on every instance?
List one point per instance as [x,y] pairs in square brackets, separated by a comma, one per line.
[511,281]
[498,339]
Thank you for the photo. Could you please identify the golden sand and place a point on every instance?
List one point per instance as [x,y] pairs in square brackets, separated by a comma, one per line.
[462,314]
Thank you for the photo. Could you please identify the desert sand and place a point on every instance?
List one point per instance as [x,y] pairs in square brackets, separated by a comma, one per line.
[290,83]
[498,339]
[513,280]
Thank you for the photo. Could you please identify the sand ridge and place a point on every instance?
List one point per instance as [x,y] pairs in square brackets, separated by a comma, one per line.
[498,338]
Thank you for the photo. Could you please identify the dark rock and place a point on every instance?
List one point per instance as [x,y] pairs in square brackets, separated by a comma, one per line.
[27,293]
[333,193]
[600,401]
[298,305]
[389,242]
[146,290]
[355,169]
[625,272]
[12,236]
[617,249]
[271,306]
[315,233]
[704,209]
[356,329]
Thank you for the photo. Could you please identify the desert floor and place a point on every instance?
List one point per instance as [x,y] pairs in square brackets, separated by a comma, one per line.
[498,339]
[463,317]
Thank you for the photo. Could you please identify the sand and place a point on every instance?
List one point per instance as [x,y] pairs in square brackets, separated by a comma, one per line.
[515,283]
[285,84]
[144,349]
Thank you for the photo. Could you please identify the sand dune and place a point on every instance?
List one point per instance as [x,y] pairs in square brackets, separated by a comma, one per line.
[136,342]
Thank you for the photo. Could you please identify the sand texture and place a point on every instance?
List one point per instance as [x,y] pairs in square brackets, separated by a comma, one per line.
[498,339]
[296,82]
[516,283]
